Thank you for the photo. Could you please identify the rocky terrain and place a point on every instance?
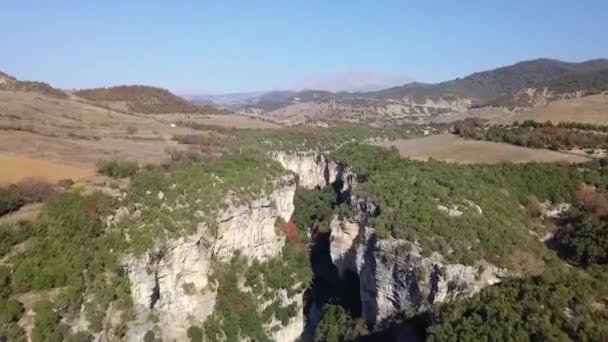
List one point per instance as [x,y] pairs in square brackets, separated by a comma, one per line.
[391,277]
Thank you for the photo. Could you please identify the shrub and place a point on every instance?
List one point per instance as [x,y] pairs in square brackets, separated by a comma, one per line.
[10,201]
[592,201]
[150,336]
[118,169]
[35,190]
[10,311]
[195,333]
[336,325]
[46,323]
[534,207]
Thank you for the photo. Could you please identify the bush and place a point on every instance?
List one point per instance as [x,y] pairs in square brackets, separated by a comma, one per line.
[534,207]
[35,190]
[10,201]
[46,324]
[336,325]
[118,169]
[149,336]
[195,333]
[10,311]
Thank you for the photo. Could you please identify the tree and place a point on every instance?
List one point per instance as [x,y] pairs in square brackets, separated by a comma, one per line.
[337,325]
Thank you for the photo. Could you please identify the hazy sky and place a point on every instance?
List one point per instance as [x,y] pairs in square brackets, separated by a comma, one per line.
[226,46]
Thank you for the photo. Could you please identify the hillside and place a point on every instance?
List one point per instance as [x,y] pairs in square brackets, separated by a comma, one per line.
[587,109]
[572,85]
[487,85]
[550,80]
[140,99]
[10,83]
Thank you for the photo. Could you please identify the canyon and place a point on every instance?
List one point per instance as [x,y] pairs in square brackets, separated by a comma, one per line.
[381,277]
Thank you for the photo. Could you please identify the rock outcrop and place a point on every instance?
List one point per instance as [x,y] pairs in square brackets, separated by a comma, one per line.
[393,274]
[169,282]
[316,170]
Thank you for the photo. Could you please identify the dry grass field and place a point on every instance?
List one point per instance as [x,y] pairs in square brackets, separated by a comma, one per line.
[74,131]
[452,148]
[58,138]
[589,109]
[221,120]
[16,168]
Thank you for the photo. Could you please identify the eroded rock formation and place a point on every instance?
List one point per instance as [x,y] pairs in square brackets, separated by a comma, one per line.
[393,275]
[170,281]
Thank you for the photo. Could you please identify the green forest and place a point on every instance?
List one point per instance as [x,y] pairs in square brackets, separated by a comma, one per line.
[564,136]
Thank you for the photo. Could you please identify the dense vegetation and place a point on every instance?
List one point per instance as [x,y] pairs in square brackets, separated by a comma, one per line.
[535,135]
[117,169]
[578,125]
[590,82]
[168,199]
[13,196]
[337,325]
[310,138]
[584,229]
[409,194]
[142,99]
[488,85]
[559,305]
[67,256]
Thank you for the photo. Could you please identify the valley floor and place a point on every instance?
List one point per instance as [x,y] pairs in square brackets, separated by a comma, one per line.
[448,147]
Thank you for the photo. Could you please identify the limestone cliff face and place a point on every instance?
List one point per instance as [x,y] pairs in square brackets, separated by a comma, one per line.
[170,280]
[316,170]
[393,276]
[392,273]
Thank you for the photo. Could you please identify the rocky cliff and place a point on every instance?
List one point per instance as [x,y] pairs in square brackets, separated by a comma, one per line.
[169,282]
[393,275]
[316,170]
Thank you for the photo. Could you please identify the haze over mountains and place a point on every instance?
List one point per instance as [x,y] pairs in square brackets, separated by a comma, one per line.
[515,87]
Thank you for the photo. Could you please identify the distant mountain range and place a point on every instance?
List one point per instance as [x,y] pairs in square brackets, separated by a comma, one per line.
[521,85]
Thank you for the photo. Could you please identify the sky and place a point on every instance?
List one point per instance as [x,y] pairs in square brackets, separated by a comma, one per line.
[233,46]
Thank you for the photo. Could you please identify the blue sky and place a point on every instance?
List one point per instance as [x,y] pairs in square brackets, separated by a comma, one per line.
[227,46]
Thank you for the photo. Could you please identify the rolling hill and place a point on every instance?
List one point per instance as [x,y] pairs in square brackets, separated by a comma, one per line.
[570,86]
[140,99]
[482,87]
[503,87]
[10,83]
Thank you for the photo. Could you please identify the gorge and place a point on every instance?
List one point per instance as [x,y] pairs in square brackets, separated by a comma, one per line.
[372,278]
